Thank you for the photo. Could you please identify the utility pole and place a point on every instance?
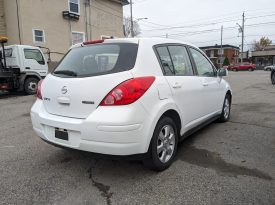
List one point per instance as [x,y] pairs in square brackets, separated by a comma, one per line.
[242,38]
[221,47]
[132,23]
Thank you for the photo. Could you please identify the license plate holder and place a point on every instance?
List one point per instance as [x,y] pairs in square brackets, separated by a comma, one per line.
[61,134]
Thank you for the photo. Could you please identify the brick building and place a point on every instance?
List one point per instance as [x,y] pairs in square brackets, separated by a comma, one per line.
[218,54]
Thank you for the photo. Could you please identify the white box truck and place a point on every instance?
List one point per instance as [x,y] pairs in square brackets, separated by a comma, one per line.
[21,67]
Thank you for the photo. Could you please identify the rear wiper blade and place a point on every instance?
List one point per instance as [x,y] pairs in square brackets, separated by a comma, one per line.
[65,72]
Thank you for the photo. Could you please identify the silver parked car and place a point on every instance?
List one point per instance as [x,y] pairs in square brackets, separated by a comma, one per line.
[269,68]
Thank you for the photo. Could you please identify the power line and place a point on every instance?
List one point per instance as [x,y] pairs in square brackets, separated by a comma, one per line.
[219,17]
[213,30]
[191,26]
[215,40]
[233,37]
[260,16]
[204,24]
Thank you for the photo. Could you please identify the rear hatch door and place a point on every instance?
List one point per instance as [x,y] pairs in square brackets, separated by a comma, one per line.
[85,76]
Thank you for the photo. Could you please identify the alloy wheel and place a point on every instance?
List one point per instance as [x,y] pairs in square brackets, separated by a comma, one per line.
[226,108]
[166,143]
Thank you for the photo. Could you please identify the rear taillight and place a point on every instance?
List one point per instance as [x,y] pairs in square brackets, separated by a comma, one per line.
[128,92]
[4,86]
[38,93]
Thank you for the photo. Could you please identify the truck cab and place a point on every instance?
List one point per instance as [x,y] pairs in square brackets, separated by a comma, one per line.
[26,65]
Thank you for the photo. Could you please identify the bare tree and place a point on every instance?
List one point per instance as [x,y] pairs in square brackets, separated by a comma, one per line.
[261,44]
[127,27]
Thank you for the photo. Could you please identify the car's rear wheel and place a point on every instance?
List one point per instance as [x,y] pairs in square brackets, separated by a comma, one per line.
[163,145]
[273,77]
[225,115]
[250,69]
[234,69]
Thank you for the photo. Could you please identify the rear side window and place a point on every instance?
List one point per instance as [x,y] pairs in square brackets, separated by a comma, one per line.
[35,55]
[165,59]
[97,59]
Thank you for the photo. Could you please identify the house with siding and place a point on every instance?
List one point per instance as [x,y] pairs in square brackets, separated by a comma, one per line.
[56,25]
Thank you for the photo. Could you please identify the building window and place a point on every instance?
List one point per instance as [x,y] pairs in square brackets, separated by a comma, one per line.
[212,54]
[220,51]
[38,36]
[78,37]
[74,6]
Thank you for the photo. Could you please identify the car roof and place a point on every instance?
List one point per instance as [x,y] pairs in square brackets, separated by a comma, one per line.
[153,41]
[147,41]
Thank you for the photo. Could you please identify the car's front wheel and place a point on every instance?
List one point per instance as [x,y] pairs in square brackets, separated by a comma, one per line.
[163,145]
[273,77]
[30,85]
[226,109]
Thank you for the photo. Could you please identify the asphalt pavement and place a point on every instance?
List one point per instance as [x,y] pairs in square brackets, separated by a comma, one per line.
[224,163]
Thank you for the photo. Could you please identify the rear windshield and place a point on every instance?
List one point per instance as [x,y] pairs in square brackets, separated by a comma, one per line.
[97,59]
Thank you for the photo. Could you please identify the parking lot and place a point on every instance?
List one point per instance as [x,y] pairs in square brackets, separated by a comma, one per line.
[229,163]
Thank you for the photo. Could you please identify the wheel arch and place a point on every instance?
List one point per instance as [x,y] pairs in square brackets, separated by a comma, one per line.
[32,75]
[25,76]
[171,111]
[174,115]
[230,94]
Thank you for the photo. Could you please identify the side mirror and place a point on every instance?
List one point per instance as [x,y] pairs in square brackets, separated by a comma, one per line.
[222,72]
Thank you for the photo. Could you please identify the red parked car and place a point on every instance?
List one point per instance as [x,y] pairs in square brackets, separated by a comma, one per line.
[241,67]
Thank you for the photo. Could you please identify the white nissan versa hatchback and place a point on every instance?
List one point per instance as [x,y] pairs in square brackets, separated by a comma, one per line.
[130,96]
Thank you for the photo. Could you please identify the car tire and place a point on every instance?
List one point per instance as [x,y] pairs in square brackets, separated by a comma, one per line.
[163,146]
[250,69]
[234,69]
[30,85]
[273,77]
[225,115]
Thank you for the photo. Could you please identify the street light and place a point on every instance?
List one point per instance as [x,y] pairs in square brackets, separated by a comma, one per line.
[132,25]
[140,19]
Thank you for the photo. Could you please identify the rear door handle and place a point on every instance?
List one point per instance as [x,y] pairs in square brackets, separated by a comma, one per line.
[176,85]
[28,68]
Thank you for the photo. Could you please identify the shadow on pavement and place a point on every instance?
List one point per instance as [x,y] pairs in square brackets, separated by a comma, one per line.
[4,95]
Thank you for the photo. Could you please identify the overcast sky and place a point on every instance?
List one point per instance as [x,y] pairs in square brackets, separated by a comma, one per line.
[200,21]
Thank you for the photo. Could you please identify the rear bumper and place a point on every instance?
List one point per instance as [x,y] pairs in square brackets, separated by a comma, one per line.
[123,131]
